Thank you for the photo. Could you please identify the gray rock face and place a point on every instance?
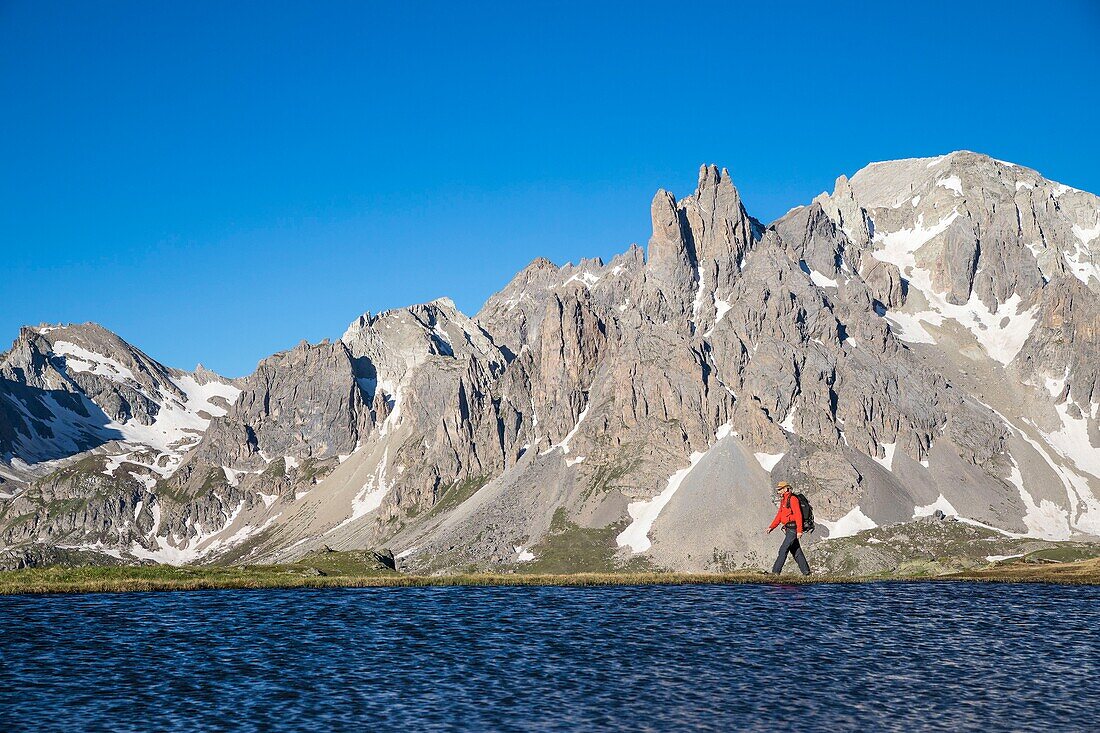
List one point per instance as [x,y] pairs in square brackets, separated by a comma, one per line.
[884,282]
[924,339]
[303,403]
[79,505]
[42,555]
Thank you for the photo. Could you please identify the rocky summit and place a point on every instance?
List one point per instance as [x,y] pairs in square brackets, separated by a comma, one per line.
[923,341]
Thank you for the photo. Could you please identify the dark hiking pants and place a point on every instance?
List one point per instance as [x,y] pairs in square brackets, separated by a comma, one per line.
[793,546]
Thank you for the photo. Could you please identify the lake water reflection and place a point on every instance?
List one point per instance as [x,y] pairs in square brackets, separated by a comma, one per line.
[889,656]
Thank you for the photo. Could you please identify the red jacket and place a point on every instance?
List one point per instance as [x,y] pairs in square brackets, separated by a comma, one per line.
[789,511]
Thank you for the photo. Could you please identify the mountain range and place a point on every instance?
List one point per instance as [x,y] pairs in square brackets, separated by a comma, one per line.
[922,341]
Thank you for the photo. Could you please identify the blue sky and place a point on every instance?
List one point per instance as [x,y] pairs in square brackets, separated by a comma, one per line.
[216,183]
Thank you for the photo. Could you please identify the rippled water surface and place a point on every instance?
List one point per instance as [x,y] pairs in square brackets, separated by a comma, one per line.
[875,657]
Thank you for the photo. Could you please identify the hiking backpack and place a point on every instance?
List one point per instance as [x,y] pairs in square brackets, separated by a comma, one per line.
[807,513]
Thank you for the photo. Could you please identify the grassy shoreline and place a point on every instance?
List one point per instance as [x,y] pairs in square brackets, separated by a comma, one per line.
[55,580]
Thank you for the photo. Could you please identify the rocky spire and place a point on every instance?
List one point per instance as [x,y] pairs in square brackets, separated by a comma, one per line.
[671,261]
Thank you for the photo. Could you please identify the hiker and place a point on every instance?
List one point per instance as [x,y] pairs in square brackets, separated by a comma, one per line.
[790,516]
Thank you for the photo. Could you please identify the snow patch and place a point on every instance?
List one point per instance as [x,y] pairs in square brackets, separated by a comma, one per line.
[175,551]
[1082,263]
[1001,334]
[1045,519]
[645,513]
[144,479]
[822,281]
[699,290]
[722,307]
[767,461]
[1085,236]
[1078,493]
[572,433]
[564,444]
[80,360]
[176,428]
[114,462]
[888,461]
[909,327]
[848,525]
[585,277]
[96,547]
[899,247]
[941,504]
[1055,386]
[788,421]
[1001,558]
[951,183]
[370,496]
[394,418]
[201,396]
[1071,441]
[990,527]
[233,476]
